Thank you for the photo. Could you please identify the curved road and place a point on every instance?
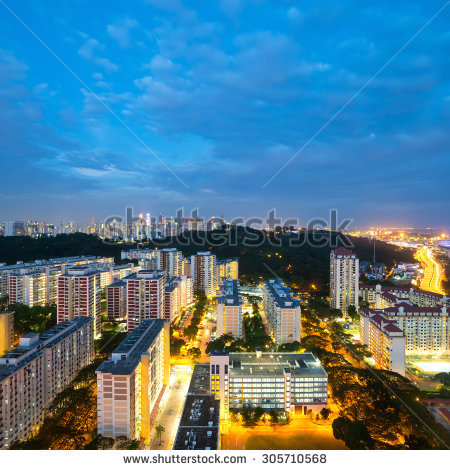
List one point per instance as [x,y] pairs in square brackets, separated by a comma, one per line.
[432,274]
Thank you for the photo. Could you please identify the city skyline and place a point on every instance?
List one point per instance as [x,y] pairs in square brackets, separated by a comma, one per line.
[225,95]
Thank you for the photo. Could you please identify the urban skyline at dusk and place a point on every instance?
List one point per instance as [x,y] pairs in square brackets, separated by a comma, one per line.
[225,95]
[225,228]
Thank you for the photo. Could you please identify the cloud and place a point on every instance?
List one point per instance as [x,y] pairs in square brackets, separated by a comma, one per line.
[88,52]
[120,31]
[294,15]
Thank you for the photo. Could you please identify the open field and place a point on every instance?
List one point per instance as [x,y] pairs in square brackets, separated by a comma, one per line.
[301,440]
[433,366]
[301,434]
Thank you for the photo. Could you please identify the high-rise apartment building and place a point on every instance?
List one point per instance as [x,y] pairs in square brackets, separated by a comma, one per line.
[204,272]
[282,311]
[110,274]
[32,374]
[170,260]
[229,309]
[280,381]
[171,301]
[228,268]
[28,287]
[131,383]
[145,297]
[423,317]
[79,295]
[6,331]
[385,340]
[52,268]
[116,300]
[344,279]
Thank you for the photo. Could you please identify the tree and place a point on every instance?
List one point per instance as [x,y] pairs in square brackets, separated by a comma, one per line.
[191,331]
[416,442]
[353,313]
[339,426]
[258,413]
[176,345]
[160,430]
[444,378]
[194,353]
[247,416]
[325,413]
[274,416]
[357,436]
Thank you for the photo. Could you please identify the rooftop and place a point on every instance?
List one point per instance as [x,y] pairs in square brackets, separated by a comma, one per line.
[341,251]
[199,425]
[274,364]
[34,344]
[200,380]
[231,294]
[126,357]
[281,294]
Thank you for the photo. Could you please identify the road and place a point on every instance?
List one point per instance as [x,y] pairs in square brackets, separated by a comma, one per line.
[432,273]
[170,410]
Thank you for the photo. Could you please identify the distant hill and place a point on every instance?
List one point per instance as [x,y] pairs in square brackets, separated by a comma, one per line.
[299,259]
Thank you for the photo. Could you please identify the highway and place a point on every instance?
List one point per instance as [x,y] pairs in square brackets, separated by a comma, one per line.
[432,274]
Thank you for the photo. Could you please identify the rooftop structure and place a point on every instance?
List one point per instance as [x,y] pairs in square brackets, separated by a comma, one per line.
[282,311]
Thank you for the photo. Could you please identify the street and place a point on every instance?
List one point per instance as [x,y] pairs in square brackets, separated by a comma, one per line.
[170,410]
[432,276]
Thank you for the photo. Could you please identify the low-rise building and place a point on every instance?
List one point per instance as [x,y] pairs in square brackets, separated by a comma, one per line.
[199,427]
[272,381]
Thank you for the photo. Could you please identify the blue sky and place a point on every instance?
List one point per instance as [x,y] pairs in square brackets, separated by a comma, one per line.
[224,93]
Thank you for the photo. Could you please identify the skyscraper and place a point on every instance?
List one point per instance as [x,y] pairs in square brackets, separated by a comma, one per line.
[344,279]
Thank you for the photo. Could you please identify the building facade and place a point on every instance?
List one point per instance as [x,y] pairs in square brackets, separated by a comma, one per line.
[282,311]
[145,297]
[116,300]
[32,374]
[170,260]
[385,340]
[79,295]
[204,272]
[229,309]
[131,383]
[6,331]
[228,268]
[344,279]
[272,381]
[423,317]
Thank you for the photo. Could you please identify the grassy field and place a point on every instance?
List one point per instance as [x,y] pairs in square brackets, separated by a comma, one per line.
[294,441]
